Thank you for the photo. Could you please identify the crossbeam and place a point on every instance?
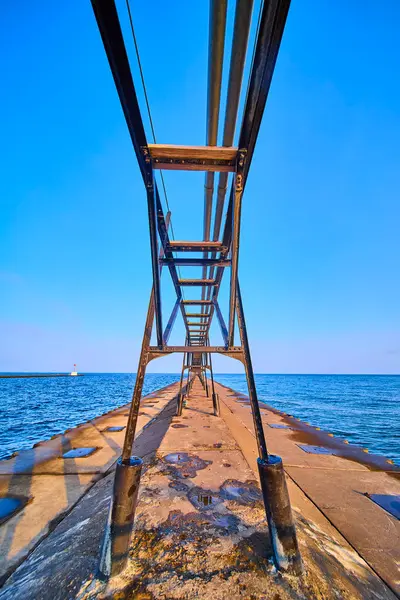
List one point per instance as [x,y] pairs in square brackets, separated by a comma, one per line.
[196,246]
[206,349]
[192,158]
[194,282]
[196,262]
[200,302]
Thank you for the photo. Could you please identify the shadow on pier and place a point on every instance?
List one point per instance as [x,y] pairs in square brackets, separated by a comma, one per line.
[53,486]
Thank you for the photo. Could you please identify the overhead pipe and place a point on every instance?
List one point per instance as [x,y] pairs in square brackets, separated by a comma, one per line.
[272,24]
[241,32]
[217,29]
[240,40]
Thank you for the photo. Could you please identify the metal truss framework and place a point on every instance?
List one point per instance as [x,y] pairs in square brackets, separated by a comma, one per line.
[217,254]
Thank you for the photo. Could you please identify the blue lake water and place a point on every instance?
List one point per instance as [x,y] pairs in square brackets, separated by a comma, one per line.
[34,409]
[365,409]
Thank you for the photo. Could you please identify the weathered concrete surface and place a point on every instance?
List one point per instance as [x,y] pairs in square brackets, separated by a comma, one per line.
[337,485]
[200,530]
[54,484]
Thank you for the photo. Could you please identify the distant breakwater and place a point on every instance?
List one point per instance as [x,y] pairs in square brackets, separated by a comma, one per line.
[30,375]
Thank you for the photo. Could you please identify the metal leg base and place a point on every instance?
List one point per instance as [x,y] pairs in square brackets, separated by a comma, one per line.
[279,515]
[216,404]
[114,552]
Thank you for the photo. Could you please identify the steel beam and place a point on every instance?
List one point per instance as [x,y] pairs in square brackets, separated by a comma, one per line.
[193,158]
[171,321]
[272,23]
[217,27]
[255,409]
[237,209]
[238,55]
[153,246]
[196,282]
[221,322]
[200,302]
[196,262]
[108,22]
[109,26]
[214,349]
[196,246]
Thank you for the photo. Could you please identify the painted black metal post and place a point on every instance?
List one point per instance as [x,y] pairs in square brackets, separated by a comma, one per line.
[119,526]
[215,397]
[272,475]
[180,395]
[205,374]
[114,553]
[117,536]
[237,209]
[151,205]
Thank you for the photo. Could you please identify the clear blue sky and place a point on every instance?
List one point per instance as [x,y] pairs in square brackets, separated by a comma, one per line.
[320,252]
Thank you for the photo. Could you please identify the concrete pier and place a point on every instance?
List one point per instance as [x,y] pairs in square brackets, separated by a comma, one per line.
[52,485]
[200,527]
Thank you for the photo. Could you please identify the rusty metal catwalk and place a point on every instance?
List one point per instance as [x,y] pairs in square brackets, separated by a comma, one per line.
[216,255]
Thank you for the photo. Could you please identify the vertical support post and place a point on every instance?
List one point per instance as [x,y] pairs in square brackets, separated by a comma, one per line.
[151,205]
[118,531]
[237,209]
[272,475]
[188,382]
[180,395]
[202,381]
[255,409]
[116,540]
[221,322]
[205,373]
[215,397]
[115,547]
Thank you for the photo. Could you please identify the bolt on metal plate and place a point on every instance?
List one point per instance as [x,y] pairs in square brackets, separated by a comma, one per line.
[115,428]
[79,452]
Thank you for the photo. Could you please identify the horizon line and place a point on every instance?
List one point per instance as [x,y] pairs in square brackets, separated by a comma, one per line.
[178,373]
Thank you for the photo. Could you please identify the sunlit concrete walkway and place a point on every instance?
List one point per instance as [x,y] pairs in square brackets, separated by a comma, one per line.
[51,485]
[339,484]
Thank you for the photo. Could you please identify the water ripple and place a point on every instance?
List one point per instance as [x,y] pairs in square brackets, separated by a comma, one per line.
[365,409]
[33,410]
